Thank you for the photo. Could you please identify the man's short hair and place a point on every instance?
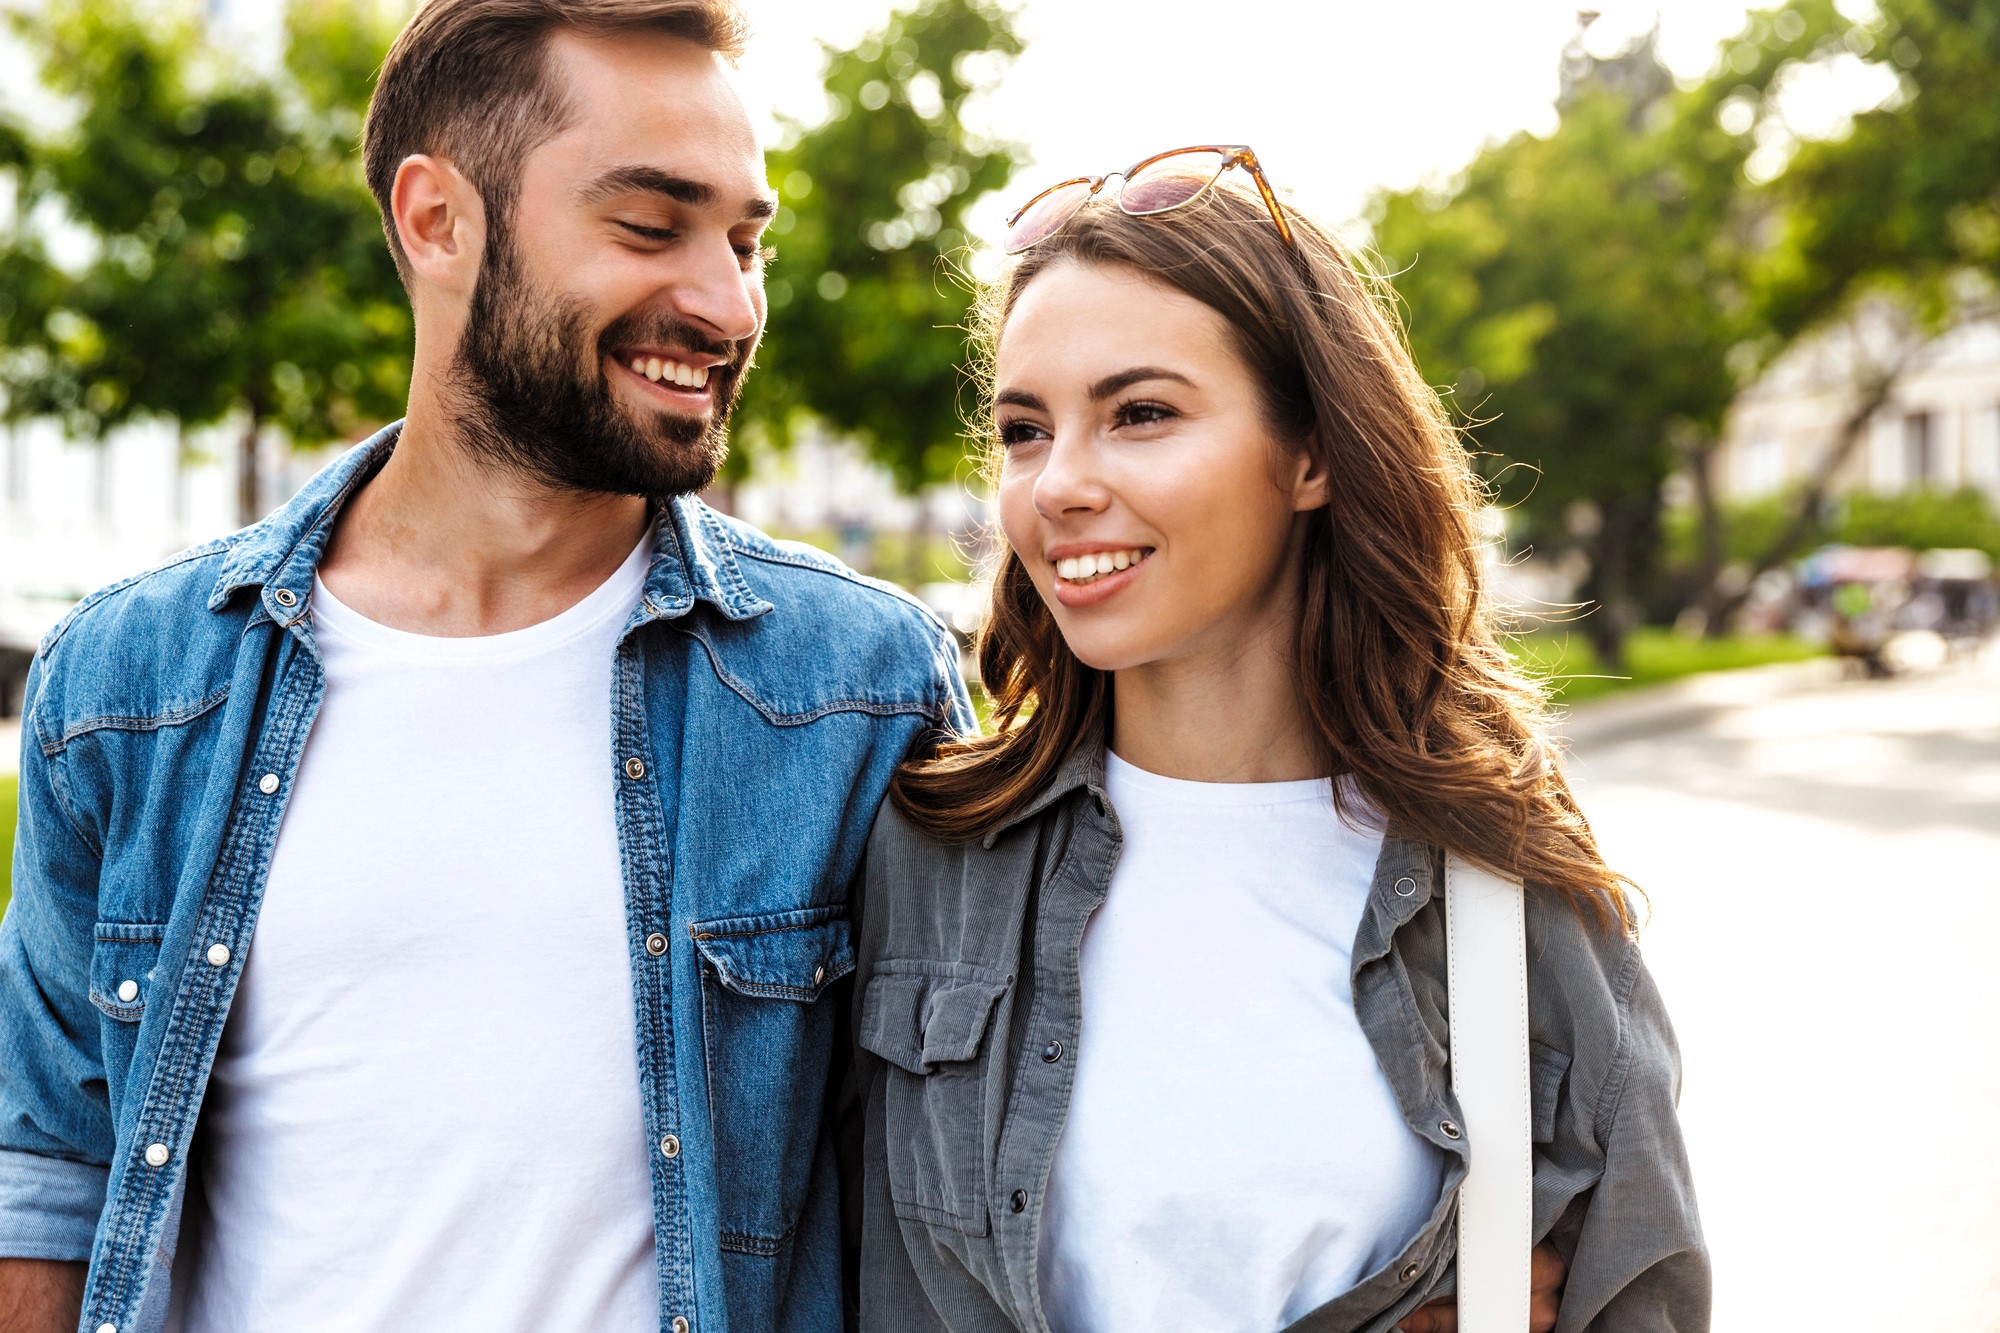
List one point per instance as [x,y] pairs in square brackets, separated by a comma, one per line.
[468,80]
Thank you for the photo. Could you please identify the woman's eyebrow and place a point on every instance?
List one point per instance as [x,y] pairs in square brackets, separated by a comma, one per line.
[1019,398]
[1125,379]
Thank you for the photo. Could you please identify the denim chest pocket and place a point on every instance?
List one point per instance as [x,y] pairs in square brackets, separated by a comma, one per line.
[768,1040]
[929,1021]
[123,959]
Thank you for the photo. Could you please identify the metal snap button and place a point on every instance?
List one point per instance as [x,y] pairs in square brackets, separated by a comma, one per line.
[1406,887]
[656,944]
[1450,1129]
[286,597]
[819,975]
[107,1328]
[635,768]
[680,1325]
[128,991]
[268,783]
[156,1155]
[1052,1052]
[1409,1271]
[1018,1201]
[218,954]
[670,1147]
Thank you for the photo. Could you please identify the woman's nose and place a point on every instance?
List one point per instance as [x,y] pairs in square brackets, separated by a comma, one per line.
[1070,481]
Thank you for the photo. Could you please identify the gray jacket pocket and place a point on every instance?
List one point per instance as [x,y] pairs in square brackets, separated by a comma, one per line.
[929,1021]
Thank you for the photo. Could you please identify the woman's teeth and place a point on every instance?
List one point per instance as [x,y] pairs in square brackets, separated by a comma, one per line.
[1082,569]
[673,372]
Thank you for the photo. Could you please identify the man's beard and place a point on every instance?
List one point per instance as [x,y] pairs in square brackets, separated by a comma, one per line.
[537,399]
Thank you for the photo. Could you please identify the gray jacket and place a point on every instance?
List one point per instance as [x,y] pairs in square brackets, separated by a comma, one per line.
[967,1009]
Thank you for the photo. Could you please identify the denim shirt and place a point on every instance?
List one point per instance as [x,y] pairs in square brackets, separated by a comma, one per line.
[968,1011]
[762,696]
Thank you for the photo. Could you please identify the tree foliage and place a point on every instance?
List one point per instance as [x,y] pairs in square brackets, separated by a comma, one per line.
[867,303]
[236,270]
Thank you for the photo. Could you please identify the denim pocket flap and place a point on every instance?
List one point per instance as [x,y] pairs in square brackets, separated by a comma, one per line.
[779,955]
[917,1022]
[122,959]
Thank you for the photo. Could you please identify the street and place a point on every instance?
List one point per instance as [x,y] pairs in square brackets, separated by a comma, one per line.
[1823,860]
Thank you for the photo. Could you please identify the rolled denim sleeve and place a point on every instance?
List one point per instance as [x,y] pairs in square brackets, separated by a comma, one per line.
[55,1118]
[1640,1262]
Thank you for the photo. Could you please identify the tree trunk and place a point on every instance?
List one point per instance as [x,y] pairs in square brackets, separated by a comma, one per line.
[1718,603]
[249,494]
[1700,458]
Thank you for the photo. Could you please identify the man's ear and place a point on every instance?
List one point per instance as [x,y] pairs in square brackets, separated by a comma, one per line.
[1311,488]
[441,222]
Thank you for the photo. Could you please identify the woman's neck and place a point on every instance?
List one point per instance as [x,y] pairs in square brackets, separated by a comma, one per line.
[1235,716]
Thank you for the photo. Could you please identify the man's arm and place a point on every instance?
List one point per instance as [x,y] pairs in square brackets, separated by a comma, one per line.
[40,1295]
[56,1135]
[1545,1281]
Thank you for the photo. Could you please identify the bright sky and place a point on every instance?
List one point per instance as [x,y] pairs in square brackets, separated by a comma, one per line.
[1339,98]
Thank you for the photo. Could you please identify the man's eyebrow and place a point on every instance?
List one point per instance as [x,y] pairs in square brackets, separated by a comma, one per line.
[1125,379]
[1018,398]
[680,189]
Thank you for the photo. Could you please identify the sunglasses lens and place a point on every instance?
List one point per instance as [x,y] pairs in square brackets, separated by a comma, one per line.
[1044,217]
[1171,182]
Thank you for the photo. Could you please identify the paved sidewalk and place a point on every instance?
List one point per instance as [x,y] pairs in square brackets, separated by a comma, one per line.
[1823,862]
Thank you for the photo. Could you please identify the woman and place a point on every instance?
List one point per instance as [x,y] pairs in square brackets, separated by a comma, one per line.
[1150,995]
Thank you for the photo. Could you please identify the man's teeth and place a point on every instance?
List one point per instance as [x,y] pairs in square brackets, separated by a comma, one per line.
[1090,568]
[673,372]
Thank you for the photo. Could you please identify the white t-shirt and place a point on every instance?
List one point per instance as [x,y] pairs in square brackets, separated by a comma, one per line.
[1233,1156]
[425,1113]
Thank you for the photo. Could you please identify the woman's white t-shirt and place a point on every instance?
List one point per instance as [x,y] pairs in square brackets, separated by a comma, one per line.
[1233,1156]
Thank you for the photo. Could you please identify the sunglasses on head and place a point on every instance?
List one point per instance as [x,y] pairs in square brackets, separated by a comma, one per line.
[1156,184]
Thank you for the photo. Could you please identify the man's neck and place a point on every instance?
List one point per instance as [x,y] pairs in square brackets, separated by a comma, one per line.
[444,543]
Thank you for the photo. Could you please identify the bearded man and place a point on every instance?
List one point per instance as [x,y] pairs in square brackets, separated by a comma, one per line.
[427,899]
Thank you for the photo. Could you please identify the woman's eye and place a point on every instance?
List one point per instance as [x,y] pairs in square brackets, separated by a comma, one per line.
[1143,414]
[1018,431]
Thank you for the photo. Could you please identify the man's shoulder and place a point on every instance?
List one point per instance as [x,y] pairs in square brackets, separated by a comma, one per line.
[144,648]
[818,586]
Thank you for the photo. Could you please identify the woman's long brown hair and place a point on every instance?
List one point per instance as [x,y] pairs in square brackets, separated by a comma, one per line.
[1408,689]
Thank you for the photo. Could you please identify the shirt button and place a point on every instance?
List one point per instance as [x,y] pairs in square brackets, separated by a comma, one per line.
[656,944]
[635,768]
[1019,1201]
[1405,887]
[286,597]
[670,1147]
[156,1155]
[680,1324]
[1409,1271]
[107,1328]
[268,783]
[1052,1052]
[1450,1129]
[819,975]
[218,954]
[128,991]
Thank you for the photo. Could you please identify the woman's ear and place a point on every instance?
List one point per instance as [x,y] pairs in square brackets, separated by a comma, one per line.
[1309,478]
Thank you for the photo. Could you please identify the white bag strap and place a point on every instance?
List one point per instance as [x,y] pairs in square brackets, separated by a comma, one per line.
[1486,952]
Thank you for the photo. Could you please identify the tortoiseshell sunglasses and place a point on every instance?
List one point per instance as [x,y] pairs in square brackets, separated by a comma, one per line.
[1151,185]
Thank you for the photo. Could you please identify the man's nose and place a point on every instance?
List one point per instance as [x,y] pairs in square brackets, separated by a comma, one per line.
[715,293]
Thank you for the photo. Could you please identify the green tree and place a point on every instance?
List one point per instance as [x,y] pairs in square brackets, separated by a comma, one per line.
[867,303]
[237,269]
[1581,295]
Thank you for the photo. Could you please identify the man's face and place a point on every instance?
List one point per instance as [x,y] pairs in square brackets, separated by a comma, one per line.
[621,297]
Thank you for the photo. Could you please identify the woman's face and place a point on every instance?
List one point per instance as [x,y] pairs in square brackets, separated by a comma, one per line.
[1140,483]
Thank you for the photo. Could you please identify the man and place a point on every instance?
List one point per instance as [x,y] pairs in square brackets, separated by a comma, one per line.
[588,775]
[426,900]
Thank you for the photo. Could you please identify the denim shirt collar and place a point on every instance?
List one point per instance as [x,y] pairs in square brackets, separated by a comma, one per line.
[693,558]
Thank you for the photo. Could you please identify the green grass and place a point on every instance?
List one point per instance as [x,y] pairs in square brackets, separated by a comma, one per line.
[8,788]
[1653,656]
